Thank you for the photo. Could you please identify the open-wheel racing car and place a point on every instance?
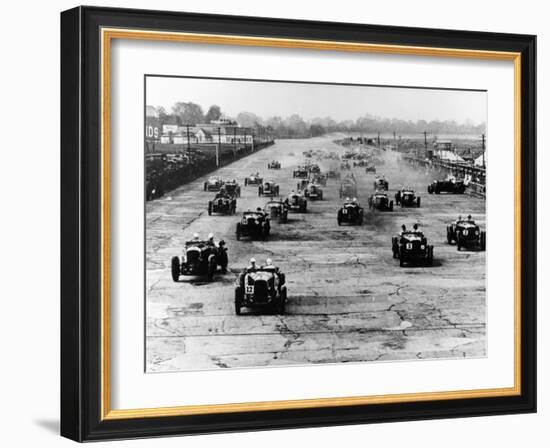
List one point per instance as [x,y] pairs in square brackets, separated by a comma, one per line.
[301,172]
[411,247]
[313,192]
[381,183]
[222,203]
[348,188]
[274,165]
[253,179]
[214,183]
[277,209]
[466,233]
[254,224]
[200,258]
[350,212]
[318,178]
[261,287]
[345,166]
[379,200]
[406,198]
[296,202]
[268,188]
[447,186]
[232,188]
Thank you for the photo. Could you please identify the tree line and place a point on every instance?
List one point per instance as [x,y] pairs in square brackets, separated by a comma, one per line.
[294,126]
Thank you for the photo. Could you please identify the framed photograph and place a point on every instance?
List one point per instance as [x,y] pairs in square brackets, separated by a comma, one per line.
[277,224]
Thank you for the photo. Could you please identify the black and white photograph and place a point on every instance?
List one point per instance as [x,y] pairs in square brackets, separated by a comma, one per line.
[291,223]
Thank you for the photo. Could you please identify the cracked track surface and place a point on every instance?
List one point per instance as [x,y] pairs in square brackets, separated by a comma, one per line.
[349,301]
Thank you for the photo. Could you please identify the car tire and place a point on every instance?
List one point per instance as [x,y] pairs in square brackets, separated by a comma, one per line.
[281,308]
[430,255]
[391,206]
[238,232]
[205,186]
[483,240]
[430,189]
[449,235]
[223,261]
[418,202]
[238,300]
[209,209]
[211,267]
[175,269]
[245,182]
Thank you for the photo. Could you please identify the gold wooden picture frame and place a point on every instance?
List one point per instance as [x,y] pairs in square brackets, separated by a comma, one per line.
[87,37]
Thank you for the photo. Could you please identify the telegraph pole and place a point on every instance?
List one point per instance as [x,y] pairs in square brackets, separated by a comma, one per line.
[425,143]
[483,148]
[235,142]
[218,148]
[188,141]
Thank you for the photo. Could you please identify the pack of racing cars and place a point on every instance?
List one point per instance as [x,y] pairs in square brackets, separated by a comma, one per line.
[264,287]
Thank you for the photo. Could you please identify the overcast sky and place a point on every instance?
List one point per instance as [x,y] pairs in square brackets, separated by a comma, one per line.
[340,102]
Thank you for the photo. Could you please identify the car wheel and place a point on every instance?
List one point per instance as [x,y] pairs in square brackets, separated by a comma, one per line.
[238,300]
[430,255]
[223,261]
[211,267]
[238,233]
[418,202]
[449,235]
[391,206]
[175,269]
[282,301]
[401,258]
[483,240]
[209,209]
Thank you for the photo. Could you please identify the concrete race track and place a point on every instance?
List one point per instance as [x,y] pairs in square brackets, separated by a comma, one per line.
[348,299]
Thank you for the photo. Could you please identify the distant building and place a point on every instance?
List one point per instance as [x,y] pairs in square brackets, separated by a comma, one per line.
[443,149]
[224,132]
[152,125]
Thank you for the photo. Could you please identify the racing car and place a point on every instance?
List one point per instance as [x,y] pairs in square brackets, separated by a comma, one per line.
[333,174]
[222,203]
[466,234]
[370,169]
[380,183]
[348,188]
[200,258]
[232,188]
[379,200]
[412,247]
[277,209]
[253,179]
[313,192]
[301,172]
[274,165]
[406,198]
[268,189]
[318,178]
[350,212]
[450,185]
[261,287]
[296,202]
[214,183]
[254,224]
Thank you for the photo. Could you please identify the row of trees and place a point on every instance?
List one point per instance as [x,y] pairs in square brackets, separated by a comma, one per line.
[295,126]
